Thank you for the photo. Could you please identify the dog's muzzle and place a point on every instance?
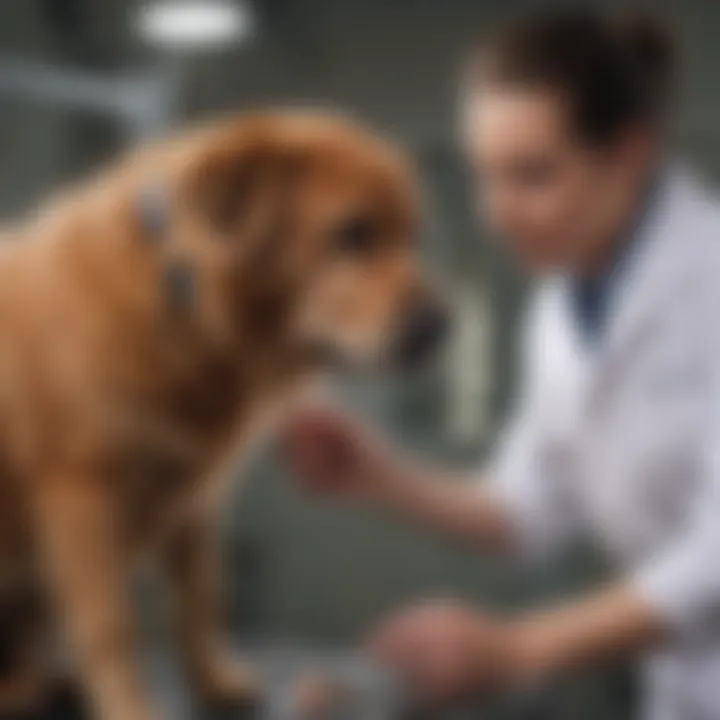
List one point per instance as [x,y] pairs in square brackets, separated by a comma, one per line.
[422,332]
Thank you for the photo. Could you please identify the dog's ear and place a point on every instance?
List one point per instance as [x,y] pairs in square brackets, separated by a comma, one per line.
[241,191]
[241,186]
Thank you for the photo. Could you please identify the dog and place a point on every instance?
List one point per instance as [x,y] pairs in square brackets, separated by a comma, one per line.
[152,320]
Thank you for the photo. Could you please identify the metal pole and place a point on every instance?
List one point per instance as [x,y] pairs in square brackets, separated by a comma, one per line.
[144,104]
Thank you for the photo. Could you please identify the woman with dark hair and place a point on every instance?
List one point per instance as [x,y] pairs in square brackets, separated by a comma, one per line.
[617,432]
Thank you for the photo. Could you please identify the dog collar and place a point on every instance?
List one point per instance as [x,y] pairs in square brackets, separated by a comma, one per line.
[154,211]
[178,281]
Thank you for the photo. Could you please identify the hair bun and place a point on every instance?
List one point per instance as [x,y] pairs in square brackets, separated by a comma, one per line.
[652,46]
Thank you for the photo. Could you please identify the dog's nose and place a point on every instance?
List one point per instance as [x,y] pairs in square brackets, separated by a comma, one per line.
[422,332]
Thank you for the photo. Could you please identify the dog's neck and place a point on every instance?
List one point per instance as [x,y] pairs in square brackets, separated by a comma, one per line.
[115,250]
[261,321]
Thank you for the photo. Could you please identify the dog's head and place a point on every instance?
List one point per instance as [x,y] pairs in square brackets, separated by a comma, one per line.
[308,226]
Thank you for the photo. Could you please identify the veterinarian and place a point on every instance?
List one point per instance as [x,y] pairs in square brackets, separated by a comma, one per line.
[617,429]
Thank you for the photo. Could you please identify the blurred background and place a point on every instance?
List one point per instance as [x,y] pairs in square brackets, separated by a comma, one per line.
[80,80]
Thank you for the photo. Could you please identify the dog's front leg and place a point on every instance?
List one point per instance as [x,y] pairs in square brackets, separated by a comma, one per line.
[87,566]
[193,567]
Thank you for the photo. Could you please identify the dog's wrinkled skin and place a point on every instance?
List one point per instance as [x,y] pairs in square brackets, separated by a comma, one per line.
[120,404]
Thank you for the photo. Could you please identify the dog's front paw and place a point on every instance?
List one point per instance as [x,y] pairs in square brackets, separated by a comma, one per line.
[229,681]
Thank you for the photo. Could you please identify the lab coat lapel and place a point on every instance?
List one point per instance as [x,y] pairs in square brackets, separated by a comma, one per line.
[647,281]
[645,285]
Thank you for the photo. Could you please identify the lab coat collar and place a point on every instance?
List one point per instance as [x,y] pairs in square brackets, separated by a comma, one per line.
[600,289]
[646,283]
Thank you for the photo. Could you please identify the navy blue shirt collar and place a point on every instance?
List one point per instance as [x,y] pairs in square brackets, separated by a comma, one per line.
[590,296]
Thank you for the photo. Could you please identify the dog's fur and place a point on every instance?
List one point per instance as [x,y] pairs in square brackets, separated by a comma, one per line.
[120,403]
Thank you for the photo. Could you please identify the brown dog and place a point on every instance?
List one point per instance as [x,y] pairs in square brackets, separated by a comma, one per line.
[147,322]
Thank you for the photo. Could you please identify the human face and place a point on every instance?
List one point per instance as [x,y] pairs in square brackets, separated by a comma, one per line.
[558,203]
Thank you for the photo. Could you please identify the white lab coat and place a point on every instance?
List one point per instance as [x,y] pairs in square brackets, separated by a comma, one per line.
[622,441]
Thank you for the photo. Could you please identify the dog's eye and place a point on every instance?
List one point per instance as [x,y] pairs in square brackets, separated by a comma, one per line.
[356,235]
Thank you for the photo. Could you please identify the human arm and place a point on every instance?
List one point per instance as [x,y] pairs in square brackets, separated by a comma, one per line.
[445,650]
[334,455]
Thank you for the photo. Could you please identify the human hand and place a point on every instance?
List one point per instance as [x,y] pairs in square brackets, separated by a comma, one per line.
[333,454]
[445,651]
